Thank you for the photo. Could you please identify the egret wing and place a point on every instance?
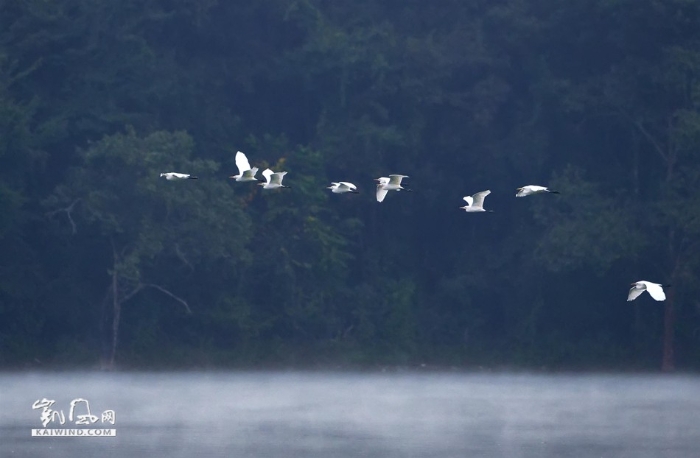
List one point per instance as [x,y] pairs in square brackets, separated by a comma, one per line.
[277,177]
[267,173]
[533,189]
[634,293]
[656,291]
[249,174]
[346,185]
[242,162]
[469,200]
[383,181]
[396,179]
[381,193]
[479,198]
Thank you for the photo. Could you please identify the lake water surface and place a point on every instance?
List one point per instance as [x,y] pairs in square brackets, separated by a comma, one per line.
[340,414]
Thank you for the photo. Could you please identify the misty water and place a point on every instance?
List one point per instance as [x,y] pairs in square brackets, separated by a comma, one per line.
[340,414]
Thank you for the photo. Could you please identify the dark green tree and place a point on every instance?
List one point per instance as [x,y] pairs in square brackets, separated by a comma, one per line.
[147,225]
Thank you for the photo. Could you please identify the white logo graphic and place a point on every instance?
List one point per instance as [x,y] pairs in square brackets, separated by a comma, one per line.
[79,415]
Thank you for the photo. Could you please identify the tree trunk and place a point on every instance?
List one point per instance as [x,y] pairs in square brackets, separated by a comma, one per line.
[105,335]
[116,312]
[667,360]
[667,363]
[638,328]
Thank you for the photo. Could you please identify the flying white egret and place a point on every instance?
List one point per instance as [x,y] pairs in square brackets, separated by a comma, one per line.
[390,183]
[177,176]
[245,172]
[475,203]
[273,179]
[655,290]
[532,189]
[342,187]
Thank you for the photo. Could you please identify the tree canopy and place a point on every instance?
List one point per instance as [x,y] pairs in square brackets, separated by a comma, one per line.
[102,260]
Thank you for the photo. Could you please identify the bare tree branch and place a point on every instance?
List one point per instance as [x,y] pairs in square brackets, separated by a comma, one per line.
[182,257]
[165,291]
[141,286]
[132,293]
[652,140]
[68,210]
[640,127]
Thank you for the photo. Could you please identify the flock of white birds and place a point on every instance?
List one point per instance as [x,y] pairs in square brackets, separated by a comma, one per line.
[475,202]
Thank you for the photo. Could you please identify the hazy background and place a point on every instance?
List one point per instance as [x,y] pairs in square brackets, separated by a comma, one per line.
[393,414]
[596,98]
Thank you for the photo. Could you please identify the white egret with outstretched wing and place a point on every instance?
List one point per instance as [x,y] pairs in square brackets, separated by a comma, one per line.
[177,176]
[532,189]
[245,171]
[390,183]
[475,203]
[341,187]
[655,290]
[273,179]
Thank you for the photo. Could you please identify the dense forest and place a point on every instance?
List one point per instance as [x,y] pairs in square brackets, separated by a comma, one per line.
[105,264]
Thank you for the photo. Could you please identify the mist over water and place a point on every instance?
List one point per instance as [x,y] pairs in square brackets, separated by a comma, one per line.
[327,414]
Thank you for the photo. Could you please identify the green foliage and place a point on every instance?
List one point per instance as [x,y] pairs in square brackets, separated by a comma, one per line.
[121,194]
[596,99]
[156,231]
[586,228]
